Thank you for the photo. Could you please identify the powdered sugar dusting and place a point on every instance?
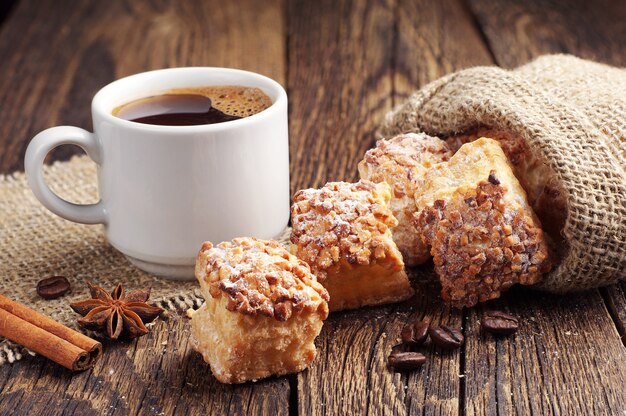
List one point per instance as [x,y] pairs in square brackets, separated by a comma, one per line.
[342,221]
[261,277]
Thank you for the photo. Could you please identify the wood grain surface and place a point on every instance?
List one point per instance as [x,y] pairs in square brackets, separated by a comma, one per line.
[344,63]
[520,30]
[158,374]
[434,39]
[615,298]
[339,60]
[561,357]
[351,376]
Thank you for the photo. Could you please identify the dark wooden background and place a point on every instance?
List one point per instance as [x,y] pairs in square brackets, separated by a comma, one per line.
[344,64]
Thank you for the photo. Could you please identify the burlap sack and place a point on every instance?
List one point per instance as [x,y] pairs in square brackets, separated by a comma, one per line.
[572,113]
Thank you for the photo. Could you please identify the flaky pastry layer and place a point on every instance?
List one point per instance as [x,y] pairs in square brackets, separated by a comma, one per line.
[242,348]
[402,162]
[542,186]
[262,313]
[484,236]
[343,231]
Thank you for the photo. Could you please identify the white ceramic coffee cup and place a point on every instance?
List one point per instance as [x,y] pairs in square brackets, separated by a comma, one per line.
[166,189]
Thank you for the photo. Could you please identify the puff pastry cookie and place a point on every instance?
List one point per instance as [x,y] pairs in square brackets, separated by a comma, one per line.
[262,313]
[545,194]
[343,231]
[402,162]
[484,236]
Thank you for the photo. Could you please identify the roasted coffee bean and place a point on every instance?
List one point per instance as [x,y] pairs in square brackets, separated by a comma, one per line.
[406,361]
[499,323]
[415,334]
[53,287]
[445,337]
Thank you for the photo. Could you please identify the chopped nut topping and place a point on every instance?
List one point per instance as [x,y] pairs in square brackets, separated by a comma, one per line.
[342,220]
[481,246]
[402,162]
[493,179]
[261,277]
[545,194]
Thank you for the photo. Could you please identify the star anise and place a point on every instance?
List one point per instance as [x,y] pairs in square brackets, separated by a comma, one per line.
[118,313]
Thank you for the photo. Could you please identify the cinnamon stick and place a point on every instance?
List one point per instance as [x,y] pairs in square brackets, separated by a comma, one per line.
[47,337]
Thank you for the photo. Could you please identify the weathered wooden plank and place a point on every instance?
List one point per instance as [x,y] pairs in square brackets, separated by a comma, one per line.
[339,80]
[569,349]
[158,374]
[339,84]
[434,39]
[520,30]
[566,358]
[351,375]
[57,54]
[615,298]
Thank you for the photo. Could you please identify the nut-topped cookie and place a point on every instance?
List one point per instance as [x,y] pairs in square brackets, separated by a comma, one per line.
[541,184]
[343,231]
[402,162]
[483,233]
[262,313]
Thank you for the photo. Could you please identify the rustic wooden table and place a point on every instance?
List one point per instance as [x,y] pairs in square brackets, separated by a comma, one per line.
[344,64]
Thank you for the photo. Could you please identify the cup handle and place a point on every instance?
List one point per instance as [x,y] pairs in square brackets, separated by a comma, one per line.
[37,150]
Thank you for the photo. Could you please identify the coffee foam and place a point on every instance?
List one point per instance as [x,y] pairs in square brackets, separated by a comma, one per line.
[231,99]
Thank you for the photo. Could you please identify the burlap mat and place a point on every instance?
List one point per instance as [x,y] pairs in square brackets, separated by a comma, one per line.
[34,243]
[572,114]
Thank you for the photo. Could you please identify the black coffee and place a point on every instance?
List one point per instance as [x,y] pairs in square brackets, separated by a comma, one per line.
[195,106]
